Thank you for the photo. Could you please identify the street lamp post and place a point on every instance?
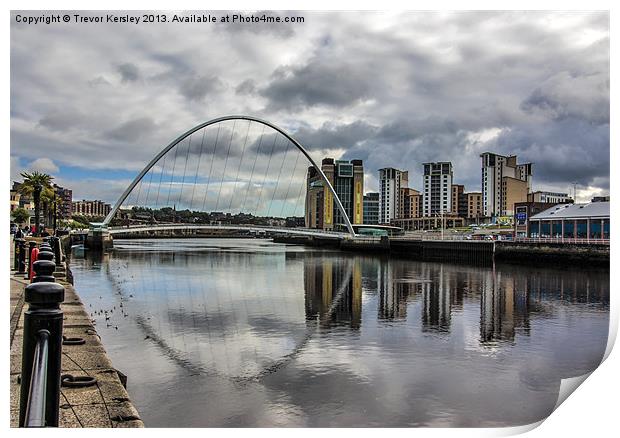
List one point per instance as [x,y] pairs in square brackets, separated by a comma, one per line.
[442,224]
[37,201]
[55,212]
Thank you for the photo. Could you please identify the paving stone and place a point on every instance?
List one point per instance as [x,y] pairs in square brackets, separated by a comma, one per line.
[67,418]
[129,424]
[14,417]
[82,396]
[93,415]
[15,388]
[16,363]
[87,359]
[110,386]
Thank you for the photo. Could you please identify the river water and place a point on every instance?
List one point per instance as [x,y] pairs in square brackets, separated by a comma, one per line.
[232,332]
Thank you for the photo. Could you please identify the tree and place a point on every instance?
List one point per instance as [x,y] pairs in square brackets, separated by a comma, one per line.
[34,183]
[20,215]
[47,203]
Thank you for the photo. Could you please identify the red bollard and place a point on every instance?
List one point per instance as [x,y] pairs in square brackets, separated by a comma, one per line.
[34,255]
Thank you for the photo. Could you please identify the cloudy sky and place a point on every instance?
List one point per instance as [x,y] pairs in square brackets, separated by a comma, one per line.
[92,103]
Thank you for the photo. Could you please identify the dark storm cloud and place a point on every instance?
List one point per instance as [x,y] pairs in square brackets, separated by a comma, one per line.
[61,120]
[133,130]
[568,150]
[565,96]
[319,82]
[197,87]
[392,89]
[331,136]
[246,87]
[129,72]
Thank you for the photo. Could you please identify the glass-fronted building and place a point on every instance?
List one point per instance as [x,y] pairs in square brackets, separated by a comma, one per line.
[371,208]
[572,221]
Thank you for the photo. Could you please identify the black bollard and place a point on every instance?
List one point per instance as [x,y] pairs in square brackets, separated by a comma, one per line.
[56,248]
[21,267]
[44,270]
[31,245]
[42,334]
[45,254]
[16,255]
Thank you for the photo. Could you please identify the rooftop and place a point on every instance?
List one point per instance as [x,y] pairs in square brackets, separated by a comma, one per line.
[575,211]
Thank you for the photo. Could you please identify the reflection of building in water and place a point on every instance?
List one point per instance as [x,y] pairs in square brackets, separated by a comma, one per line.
[436,303]
[324,278]
[503,307]
[394,292]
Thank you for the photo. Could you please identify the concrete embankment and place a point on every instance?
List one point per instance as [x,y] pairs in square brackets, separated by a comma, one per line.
[555,253]
[104,404]
[467,250]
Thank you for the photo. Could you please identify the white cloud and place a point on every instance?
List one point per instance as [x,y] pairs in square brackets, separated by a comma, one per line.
[394,89]
[45,165]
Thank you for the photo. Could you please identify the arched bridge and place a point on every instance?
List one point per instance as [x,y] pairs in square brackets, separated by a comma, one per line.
[239,172]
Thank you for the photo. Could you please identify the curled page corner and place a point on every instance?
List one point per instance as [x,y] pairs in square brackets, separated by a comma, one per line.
[517,430]
[613,333]
[568,386]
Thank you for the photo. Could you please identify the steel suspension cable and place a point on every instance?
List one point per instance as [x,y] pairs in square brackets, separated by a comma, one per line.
[161,176]
[189,147]
[260,141]
[204,131]
[239,168]
[301,189]
[289,184]
[260,194]
[232,133]
[204,200]
[148,190]
[279,175]
[174,165]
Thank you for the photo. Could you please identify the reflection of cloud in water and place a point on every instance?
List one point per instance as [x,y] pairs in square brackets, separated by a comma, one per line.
[271,335]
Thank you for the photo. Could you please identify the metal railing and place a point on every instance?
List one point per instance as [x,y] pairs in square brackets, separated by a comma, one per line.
[572,240]
[39,398]
[35,407]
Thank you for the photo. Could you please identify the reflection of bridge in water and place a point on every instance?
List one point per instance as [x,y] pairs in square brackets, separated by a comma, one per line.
[264,318]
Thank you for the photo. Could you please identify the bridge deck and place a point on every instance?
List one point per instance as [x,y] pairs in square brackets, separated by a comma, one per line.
[253,229]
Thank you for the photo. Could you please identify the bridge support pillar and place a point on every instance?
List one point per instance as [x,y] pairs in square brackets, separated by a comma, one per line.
[98,240]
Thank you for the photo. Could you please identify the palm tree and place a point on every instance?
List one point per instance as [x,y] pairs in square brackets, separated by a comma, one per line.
[47,203]
[34,183]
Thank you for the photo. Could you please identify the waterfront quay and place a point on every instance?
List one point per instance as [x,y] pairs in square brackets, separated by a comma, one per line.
[550,251]
[105,403]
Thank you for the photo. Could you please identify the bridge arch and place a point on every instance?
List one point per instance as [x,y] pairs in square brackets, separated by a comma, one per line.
[188,133]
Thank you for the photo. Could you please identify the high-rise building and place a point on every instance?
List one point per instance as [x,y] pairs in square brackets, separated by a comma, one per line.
[347,179]
[474,206]
[513,190]
[410,203]
[494,168]
[390,182]
[459,200]
[64,202]
[371,208]
[437,188]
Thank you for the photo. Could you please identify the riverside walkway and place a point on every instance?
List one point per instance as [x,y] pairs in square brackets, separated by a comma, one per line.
[104,404]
